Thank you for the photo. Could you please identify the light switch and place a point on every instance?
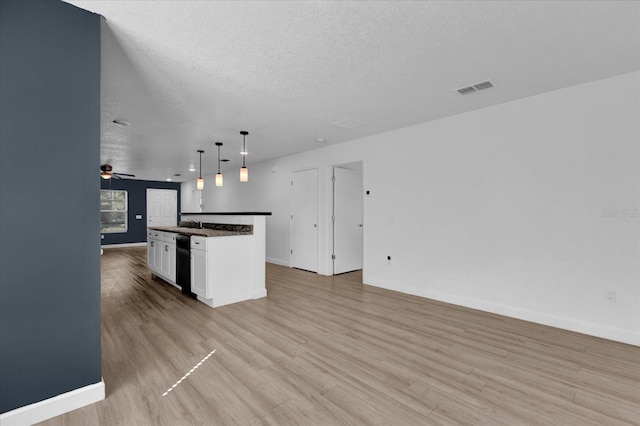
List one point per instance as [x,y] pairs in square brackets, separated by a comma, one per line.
[138,216]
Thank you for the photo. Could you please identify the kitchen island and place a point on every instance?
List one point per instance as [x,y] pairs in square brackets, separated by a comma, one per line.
[227,255]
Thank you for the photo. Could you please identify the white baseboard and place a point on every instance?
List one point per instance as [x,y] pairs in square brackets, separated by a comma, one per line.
[104,246]
[592,329]
[279,262]
[52,407]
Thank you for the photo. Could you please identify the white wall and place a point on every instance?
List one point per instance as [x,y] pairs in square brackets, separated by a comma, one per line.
[500,209]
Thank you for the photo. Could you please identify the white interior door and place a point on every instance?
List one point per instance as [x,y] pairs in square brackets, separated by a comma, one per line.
[162,207]
[347,219]
[304,220]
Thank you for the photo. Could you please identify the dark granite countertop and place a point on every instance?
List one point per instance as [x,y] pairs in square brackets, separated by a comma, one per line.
[203,232]
[230,213]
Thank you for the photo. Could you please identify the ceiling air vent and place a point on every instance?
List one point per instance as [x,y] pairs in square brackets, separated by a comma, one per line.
[348,123]
[475,87]
[466,90]
[483,85]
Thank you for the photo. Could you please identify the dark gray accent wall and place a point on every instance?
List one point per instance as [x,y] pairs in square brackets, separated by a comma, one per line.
[49,200]
[137,204]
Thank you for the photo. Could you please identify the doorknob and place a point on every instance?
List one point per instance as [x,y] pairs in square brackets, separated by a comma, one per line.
[360,225]
[315,226]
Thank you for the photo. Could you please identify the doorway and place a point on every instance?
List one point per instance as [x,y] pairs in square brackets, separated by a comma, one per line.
[162,207]
[347,218]
[304,220]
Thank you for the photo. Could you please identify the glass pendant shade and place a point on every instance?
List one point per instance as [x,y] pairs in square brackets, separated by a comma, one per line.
[219,179]
[105,175]
[244,174]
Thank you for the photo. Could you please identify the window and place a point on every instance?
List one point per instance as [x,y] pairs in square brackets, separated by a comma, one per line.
[113,211]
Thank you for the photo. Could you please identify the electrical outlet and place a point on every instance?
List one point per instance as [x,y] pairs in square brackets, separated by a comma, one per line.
[102,237]
[610,296]
[389,258]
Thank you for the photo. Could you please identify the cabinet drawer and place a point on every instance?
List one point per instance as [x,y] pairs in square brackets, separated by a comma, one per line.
[198,243]
[168,237]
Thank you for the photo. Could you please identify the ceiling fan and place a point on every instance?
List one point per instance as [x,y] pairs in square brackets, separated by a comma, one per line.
[106,172]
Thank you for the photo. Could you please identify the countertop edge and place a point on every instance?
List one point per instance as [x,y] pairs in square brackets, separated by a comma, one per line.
[229,213]
[197,232]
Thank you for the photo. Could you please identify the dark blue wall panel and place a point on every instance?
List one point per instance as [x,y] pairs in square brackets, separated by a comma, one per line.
[49,201]
[137,193]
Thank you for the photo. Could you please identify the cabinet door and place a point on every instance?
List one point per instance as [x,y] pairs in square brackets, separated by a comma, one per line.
[199,273]
[172,263]
[151,253]
[157,255]
[164,259]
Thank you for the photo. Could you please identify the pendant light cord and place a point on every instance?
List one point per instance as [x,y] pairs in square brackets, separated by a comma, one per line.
[244,149]
[200,174]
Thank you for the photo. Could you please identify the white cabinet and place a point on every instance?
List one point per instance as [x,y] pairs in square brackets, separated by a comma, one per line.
[199,273]
[219,274]
[168,260]
[151,250]
[161,255]
[168,256]
[157,255]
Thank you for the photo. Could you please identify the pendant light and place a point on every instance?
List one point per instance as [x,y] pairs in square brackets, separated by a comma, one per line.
[244,172]
[200,181]
[218,175]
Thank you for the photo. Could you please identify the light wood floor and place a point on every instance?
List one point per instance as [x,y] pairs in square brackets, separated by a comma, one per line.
[329,350]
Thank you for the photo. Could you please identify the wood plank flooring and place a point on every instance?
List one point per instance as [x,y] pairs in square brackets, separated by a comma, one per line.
[331,351]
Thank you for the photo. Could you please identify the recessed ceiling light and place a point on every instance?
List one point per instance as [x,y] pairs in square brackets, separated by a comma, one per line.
[120,122]
[192,168]
[321,140]
[168,179]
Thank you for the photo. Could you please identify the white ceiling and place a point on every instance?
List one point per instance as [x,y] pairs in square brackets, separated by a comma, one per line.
[185,74]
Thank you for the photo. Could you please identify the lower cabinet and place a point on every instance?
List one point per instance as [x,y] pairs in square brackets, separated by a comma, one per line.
[168,260]
[199,273]
[151,253]
[161,254]
[219,275]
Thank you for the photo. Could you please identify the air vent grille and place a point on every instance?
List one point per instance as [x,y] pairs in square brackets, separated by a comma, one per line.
[348,123]
[483,85]
[466,90]
[487,84]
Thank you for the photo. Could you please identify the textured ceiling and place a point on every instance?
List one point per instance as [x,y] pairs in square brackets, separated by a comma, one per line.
[185,74]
